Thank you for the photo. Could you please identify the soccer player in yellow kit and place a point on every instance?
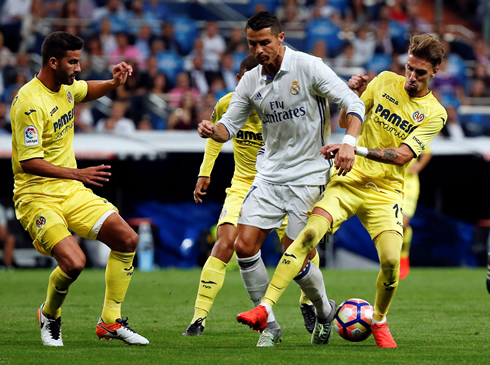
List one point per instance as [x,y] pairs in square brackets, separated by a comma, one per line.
[402,117]
[246,146]
[411,196]
[49,194]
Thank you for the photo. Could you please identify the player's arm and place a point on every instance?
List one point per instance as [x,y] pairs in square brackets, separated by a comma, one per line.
[392,156]
[423,160]
[94,175]
[99,88]
[328,84]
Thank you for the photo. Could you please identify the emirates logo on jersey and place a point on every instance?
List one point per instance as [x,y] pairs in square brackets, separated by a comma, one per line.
[295,89]
[418,116]
[70,97]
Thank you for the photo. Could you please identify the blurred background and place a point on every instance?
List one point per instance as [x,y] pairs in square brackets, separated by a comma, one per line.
[185,55]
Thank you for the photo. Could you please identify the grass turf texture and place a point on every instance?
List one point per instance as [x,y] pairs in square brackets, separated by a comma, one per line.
[438,316]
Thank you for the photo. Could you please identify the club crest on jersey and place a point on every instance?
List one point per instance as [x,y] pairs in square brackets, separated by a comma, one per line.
[40,222]
[70,97]
[295,89]
[223,214]
[418,116]
[31,137]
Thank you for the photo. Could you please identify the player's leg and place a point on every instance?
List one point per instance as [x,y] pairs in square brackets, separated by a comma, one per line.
[212,277]
[405,250]
[91,216]
[388,245]
[122,240]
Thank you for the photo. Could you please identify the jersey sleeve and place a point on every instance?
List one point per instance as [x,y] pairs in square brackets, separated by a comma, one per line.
[213,148]
[421,137]
[332,87]
[28,130]
[239,109]
[79,89]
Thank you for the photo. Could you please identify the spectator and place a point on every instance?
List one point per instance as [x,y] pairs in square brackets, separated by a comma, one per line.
[11,14]
[480,50]
[293,17]
[198,48]
[478,89]
[237,41]
[151,73]
[145,124]
[158,9]
[186,116]
[480,72]
[321,9]
[69,13]
[20,80]
[214,46]
[7,58]
[182,88]
[452,129]
[364,44]
[7,238]
[125,51]
[217,87]
[117,122]
[33,29]
[137,17]
[228,73]
[168,62]
[168,36]
[5,127]
[143,40]
[199,78]
[84,121]
[347,58]
[109,43]
[448,85]
[320,50]
[115,12]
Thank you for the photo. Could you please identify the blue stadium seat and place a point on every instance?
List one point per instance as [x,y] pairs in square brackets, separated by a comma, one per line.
[400,36]
[270,5]
[326,30]
[186,32]
[340,5]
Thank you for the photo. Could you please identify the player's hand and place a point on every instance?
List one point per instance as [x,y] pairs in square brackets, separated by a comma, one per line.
[330,150]
[201,187]
[344,159]
[121,72]
[206,129]
[94,175]
[358,83]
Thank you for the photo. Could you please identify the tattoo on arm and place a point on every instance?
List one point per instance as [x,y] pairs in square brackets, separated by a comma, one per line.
[385,155]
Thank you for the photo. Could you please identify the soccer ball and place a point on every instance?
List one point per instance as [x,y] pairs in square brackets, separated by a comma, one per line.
[353,320]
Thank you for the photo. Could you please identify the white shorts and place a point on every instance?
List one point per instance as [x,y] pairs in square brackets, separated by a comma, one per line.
[266,205]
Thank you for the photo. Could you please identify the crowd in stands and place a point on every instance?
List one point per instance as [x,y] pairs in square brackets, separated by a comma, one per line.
[183,65]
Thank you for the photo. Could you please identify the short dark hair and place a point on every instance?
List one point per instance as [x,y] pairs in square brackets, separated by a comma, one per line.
[262,20]
[427,47]
[247,64]
[58,43]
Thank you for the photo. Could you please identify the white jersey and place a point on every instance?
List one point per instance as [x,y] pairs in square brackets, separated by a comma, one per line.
[295,116]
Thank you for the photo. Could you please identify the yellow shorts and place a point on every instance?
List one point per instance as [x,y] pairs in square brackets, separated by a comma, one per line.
[378,208]
[78,212]
[233,203]
[412,190]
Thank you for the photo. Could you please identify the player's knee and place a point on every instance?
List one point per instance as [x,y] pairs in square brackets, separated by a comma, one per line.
[74,266]
[242,249]
[223,249]
[390,262]
[129,242]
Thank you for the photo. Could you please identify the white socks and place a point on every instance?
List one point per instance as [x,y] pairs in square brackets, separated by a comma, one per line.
[310,280]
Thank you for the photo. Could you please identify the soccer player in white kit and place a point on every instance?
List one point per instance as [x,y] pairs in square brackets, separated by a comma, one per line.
[289,91]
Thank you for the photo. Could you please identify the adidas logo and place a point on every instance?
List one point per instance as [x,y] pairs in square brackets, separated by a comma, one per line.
[258,97]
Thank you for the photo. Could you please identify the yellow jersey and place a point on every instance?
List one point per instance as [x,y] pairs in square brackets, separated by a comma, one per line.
[43,127]
[246,144]
[394,118]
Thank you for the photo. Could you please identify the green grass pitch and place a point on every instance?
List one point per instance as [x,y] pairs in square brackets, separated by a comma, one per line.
[439,316]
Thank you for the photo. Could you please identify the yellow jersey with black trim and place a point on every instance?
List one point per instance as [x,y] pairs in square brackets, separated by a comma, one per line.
[246,144]
[394,118]
[43,127]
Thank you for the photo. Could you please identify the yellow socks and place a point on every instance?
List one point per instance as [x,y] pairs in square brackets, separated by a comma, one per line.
[117,278]
[58,286]
[388,245]
[292,260]
[303,299]
[212,278]
[407,240]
